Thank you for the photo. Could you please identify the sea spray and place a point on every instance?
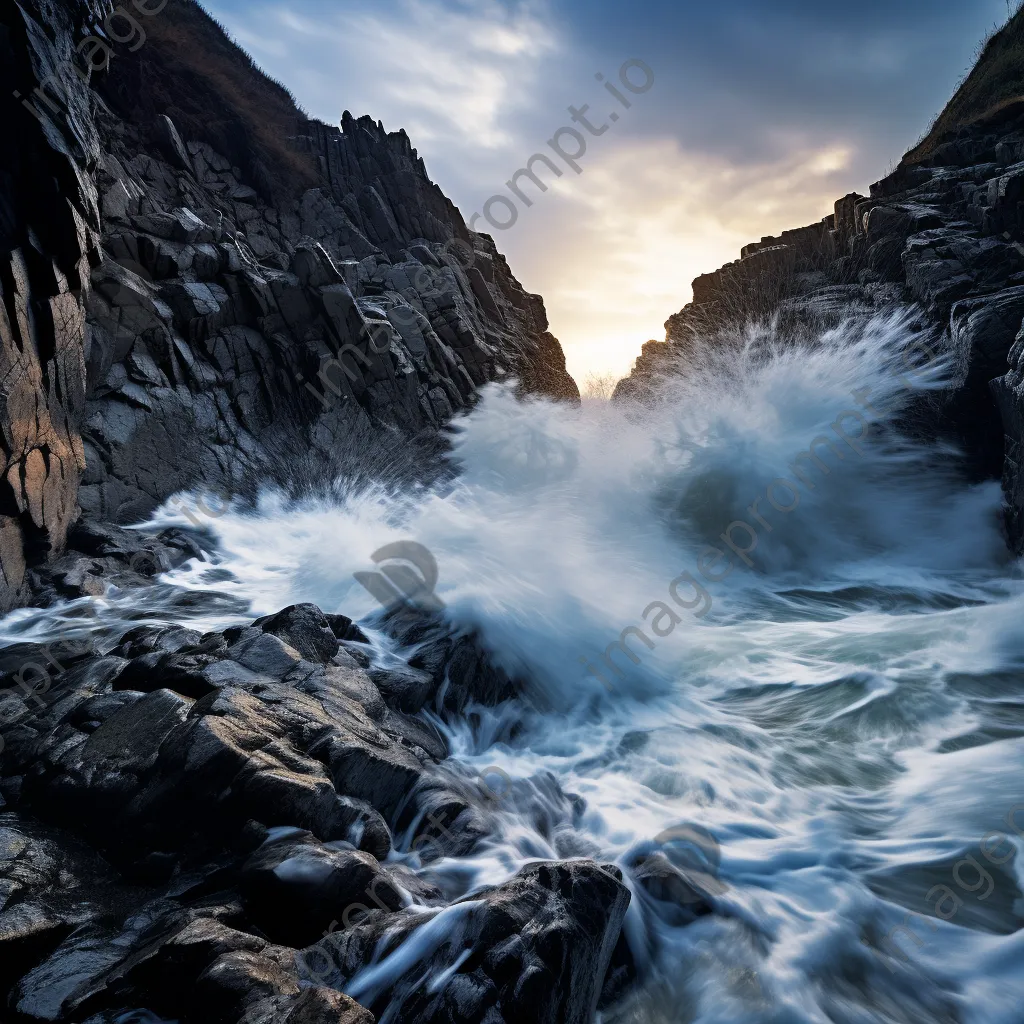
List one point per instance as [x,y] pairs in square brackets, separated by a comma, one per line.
[844,725]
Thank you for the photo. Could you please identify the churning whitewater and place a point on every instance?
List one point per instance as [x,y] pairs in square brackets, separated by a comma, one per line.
[759,619]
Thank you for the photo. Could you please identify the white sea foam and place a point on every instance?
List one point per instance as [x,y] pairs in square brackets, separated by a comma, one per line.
[845,720]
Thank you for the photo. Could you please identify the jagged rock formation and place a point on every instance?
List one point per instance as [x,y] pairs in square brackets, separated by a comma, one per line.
[944,231]
[201,284]
[196,825]
[538,948]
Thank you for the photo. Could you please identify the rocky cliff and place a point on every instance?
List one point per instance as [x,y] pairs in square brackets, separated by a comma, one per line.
[202,284]
[944,232]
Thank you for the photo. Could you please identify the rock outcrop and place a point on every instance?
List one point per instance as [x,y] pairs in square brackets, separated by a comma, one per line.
[536,948]
[944,232]
[202,285]
[201,826]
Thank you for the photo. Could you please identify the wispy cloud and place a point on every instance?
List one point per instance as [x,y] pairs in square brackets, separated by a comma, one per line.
[457,74]
[618,247]
[761,116]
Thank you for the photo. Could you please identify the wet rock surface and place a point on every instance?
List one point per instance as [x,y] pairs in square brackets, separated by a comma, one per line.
[189,819]
[536,948]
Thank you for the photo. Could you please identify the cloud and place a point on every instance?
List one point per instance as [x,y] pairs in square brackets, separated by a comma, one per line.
[453,75]
[617,247]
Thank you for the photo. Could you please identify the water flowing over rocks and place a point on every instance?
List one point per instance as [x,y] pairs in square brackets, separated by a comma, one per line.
[202,287]
[185,814]
[535,948]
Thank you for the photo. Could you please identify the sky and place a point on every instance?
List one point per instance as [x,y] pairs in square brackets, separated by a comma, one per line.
[746,118]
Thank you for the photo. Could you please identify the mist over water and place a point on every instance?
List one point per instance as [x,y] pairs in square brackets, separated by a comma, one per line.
[846,717]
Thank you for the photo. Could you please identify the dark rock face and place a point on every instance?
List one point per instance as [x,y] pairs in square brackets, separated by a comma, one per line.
[99,556]
[49,235]
[304,627]
[202,286]
[229,332]
[313,1005]
[446,668]
[294,886]
[190,819]
[271,296]
[946,234]
[536,948]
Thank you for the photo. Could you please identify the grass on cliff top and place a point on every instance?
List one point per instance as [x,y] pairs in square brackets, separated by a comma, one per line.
[193,71]
[994,86]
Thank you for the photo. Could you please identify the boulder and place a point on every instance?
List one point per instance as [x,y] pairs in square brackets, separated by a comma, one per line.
[305,628]
[536,948]
[236,981]
[295,887]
